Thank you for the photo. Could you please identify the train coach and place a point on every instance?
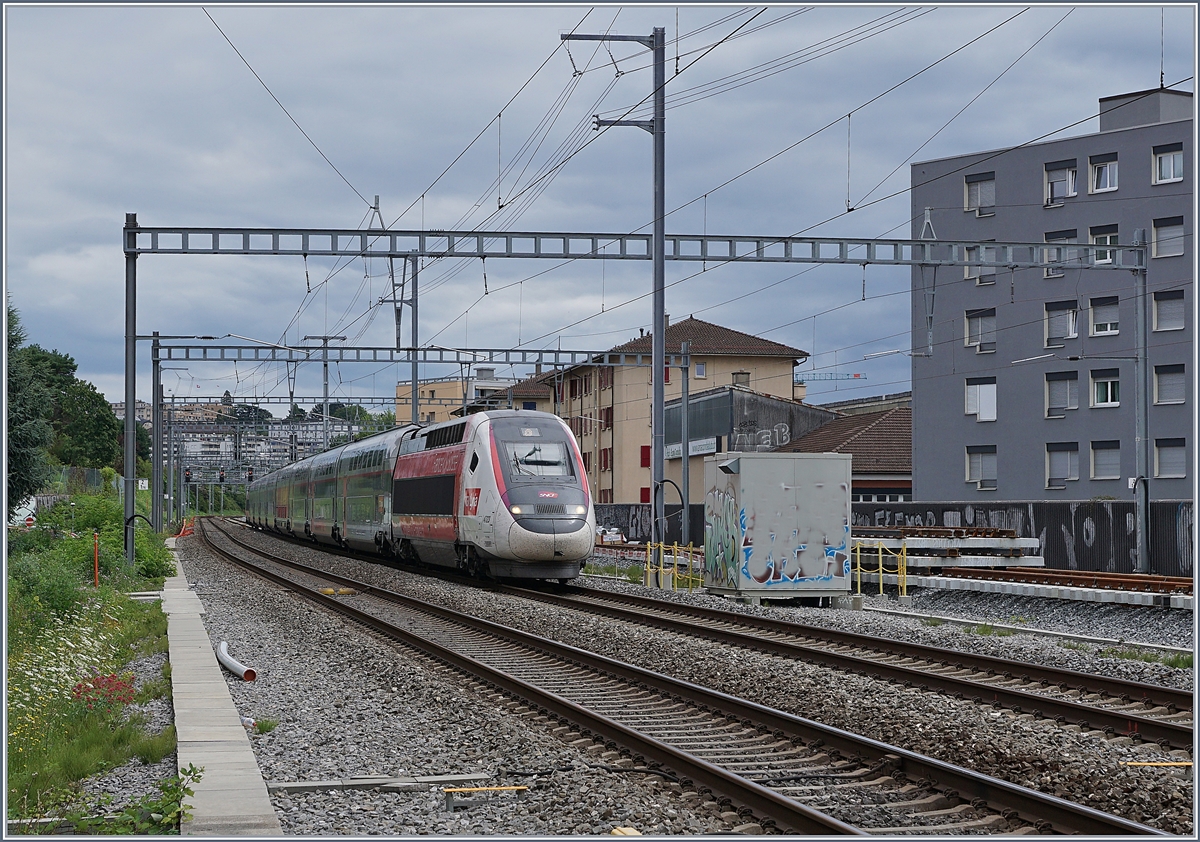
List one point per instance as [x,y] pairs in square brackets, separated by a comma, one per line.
[499,493]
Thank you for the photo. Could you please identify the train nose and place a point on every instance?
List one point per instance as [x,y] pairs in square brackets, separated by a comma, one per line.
[545,538]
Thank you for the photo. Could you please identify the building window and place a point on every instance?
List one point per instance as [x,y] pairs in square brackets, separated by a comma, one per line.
[982,275]
[981,330]
[1168,236]
[981,466]
[587,384]
[1106,460]
[981,398]
[1106,387]
[741,378]
[1170,384]
[606,418]
[1103,235]
[1168,163]
[605,377]
[575,387]
[1060,181]
[587,462]
[980,190]
[1169,310]
[701,371]
[1059,253]
[529,405]
[1062,463]
[1170,458]
[1104,173]
[1062,393]
[1105,318]
[606,458]
[645,456]
[605,495]
[667,373]
[645,494]
[1062,322]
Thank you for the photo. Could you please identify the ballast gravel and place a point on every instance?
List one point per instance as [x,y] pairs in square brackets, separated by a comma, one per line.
[1082,767]
[349,704]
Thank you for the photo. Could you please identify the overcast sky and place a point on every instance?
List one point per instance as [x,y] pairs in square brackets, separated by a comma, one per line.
[150,110]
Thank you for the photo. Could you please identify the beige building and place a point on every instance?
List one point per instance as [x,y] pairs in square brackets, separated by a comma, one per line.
[443,399]
[608,408]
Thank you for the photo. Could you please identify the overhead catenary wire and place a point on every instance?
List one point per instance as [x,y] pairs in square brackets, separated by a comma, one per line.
[284,109]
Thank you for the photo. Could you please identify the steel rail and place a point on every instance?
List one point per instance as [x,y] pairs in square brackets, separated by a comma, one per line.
[763,801]
[1044,811]
[1079,578]
[1165,733]
[1083,681]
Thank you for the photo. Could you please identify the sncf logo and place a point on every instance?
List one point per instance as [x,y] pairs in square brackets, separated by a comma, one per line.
[548,494]
[470,501]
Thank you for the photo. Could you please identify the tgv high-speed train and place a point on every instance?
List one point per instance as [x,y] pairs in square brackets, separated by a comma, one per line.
[498,493]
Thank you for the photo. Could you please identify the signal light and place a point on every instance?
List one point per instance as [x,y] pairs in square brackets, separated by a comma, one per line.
[249,475]
[221,476]
[187,474]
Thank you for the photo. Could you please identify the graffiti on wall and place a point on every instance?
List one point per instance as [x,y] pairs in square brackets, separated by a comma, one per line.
[724,535]
[748,437]
[1091,535]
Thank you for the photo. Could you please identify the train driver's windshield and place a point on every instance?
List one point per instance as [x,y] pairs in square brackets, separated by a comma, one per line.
[537,458]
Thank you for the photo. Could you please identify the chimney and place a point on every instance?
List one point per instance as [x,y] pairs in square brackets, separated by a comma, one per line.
[537,369]
[799,390]
[666,322]
[486,374]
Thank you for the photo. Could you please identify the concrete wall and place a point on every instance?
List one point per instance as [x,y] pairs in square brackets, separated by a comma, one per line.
[941,429]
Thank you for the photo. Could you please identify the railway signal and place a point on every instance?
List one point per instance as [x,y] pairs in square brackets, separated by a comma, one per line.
[221,476]
[187,474]
[249,475]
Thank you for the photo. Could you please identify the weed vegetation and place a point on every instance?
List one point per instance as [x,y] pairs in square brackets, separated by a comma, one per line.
[69,645]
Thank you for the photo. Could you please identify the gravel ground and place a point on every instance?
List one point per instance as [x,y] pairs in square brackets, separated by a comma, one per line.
[1059,760]
[351,705]
[130,782]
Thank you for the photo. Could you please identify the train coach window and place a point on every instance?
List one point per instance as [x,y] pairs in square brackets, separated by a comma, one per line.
[474,462]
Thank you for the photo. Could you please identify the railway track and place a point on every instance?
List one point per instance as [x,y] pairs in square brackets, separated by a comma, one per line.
[792,774]
[1113,705]
[1138,582]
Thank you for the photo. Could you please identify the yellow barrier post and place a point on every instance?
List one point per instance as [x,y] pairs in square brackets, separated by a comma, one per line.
[879,544]
[675,567]
[858,564]
[902,568]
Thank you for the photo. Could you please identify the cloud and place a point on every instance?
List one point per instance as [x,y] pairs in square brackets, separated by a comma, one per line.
[147,109]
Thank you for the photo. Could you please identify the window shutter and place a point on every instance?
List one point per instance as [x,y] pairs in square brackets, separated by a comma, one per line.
[987,402]
[1060,469]
[1172,460]
[1171,313]
[1058,391]
[1106,462]
[987,194]
[645,456]
[1058,324]
[972,399]
[1172,386]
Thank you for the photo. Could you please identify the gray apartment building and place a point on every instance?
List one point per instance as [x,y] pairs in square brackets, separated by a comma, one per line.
[1029,392]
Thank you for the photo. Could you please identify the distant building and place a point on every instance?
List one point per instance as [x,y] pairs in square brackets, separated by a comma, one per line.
[858,406]
[881,444]
[143,411]
[608,408]
[1029,392]
[443,399]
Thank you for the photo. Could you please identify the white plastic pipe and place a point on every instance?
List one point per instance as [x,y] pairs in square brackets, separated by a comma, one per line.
[240,670]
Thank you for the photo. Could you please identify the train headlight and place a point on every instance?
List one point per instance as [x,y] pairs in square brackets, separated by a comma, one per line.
[577,510]
[516,510]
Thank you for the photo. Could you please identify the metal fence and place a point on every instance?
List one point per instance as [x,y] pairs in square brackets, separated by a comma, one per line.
[1081,535]
[1094,535]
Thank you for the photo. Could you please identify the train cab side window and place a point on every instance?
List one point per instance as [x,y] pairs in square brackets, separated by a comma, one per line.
[474,462]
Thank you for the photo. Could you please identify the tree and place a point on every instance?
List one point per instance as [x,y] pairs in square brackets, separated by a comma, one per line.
[296,414]
[251,415]
[88,431]
[28,431]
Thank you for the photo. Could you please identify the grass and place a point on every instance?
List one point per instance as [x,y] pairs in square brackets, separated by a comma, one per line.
[265,726]
[1071,644]
[68,644]
[933,621]
[1183,660]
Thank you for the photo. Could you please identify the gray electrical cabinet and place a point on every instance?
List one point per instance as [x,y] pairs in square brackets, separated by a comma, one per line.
[777,524]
